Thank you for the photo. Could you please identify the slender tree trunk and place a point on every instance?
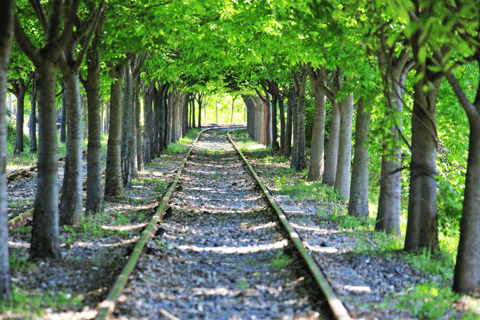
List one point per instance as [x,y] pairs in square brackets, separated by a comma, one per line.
[184,115]
[344,163]
[216,109]
[102,116]
[275,145]
[301,139]
[388,216]
[127,134]
[358,203]
[107,117]
[389,203]
[148,97]
[200,112]
[193,112]
[233,109]
[6,34]
[72,194]
[268,119]
[85,117]
[293,103]
[63,123]
[45,232]
[20,114]
[94,201]
[331,157]
[316,168]
[287,150]
[32,123]
[113,179]
[281,107]
[467,276]
[139,142]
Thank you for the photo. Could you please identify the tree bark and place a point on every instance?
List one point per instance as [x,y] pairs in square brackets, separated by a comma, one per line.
[344,163]
[45,232]
[32,122]
[331,156]
[72,194]
[467,276]
[274,101]
[358,203]
[113,179]
[301,139]
[21,90]
[287,150]
[138,129]
[94,201]
[388,216]
[317,166]
[293,102]
[199,111]
[63,123]
[127,134]
[6,39]
[422,222]
[148,97]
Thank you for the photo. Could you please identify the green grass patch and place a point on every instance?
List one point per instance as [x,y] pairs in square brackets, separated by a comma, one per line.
[33,304]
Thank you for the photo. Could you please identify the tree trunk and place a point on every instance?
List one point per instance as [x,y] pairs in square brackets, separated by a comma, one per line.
[287,150]
[20,114]
[6,36]
[184,115]
[301,139]
[113,179]
[45,232]
[94,201]
[32,122]
[275,145]
[331,157]
[268,119]
[388,216]
[293,103]
[358,203]
[127,134]
[63,123]
[148,97]
[344,163]
[281,107]
[316,168]
[200,112]
[85,117]
[216,109]
[72,194]
[139,142]
[193,112]
[467,276]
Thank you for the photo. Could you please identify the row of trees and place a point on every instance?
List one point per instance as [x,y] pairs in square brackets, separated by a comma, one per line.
[357,55]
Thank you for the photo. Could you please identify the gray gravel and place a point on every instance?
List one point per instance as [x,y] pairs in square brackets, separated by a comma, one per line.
[215,257]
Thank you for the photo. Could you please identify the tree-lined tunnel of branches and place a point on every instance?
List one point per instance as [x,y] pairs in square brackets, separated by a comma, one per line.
[377,99]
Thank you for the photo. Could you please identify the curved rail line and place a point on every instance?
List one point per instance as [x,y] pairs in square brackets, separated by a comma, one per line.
[336,306]
[107,307]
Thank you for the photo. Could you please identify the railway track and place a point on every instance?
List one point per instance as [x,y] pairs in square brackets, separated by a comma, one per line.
[219,247]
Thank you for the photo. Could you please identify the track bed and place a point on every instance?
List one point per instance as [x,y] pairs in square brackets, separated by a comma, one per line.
[219,253]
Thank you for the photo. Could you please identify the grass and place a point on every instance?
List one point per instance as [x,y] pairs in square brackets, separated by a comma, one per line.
[429,300]
[33,304]
[280,261]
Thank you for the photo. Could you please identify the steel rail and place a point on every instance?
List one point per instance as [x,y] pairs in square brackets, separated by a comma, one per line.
[107,307]
[337,308]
